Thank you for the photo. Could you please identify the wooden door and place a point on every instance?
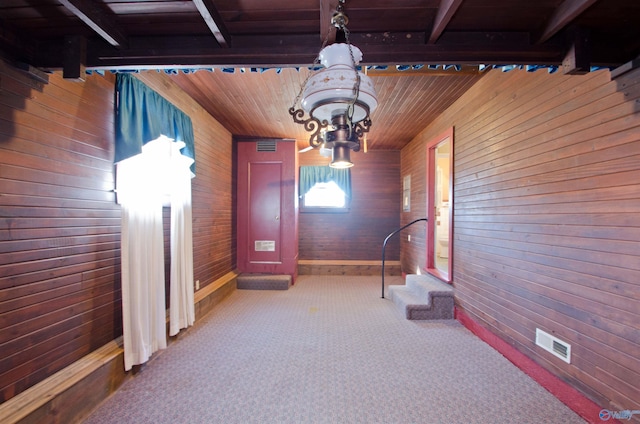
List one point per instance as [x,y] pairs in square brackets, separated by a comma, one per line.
[264,197]
[267,207]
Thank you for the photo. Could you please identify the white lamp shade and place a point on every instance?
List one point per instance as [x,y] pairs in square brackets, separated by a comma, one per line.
[329,91]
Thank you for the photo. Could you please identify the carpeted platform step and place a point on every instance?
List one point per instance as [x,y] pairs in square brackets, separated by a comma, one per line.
[263,282]
[423,297]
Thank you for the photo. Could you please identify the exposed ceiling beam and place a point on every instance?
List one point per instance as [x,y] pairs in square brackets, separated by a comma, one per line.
[300,50]
[564,14]
[627,67]
[446,11]
[74,57]
[98,20]
[327,30]
[33,72]
[577,61]
[214,21]
[392,71]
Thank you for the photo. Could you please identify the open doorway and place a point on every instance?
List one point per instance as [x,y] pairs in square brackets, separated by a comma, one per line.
[440,205]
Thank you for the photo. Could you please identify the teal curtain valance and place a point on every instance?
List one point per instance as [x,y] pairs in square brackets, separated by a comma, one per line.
[310,175]
[142,115]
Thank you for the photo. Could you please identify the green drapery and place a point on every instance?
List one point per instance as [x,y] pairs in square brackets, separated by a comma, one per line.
[142,115]
[310,175]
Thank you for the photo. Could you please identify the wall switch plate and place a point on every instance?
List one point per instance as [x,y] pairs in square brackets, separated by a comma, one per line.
[409,237]
[197,284]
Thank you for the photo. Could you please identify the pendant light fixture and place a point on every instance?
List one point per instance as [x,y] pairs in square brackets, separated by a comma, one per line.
[338,98]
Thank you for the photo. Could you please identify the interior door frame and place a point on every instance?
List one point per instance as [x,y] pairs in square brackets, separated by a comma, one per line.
[432,145]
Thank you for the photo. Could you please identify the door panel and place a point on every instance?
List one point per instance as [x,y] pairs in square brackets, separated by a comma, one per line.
[265,185]
[267,208]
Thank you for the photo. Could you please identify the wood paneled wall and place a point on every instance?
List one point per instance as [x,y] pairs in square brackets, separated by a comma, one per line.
[546,220]
[413,252]
[60,226]
[374,212]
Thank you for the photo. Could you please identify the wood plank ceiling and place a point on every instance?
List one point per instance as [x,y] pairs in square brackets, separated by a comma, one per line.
[79,35]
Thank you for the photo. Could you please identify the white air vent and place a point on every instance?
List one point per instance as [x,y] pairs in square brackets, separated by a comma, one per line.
[553,345]
[266,146]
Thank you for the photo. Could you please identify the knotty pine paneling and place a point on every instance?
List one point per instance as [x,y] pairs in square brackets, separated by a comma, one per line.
[374,213]
[546,229]
[60,225]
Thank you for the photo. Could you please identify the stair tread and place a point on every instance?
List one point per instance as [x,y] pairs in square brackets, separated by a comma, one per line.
[428,282]
[263,282]
[407,297]
[423,298]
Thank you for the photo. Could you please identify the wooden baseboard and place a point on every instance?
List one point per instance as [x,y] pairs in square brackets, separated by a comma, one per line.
[347,267]
[214,293]
[72,393]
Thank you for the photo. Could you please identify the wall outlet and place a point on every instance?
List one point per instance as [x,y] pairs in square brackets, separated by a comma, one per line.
[409,237]
[197,284]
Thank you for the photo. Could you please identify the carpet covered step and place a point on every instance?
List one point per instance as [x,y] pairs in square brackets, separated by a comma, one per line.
[423,297]
[263,282]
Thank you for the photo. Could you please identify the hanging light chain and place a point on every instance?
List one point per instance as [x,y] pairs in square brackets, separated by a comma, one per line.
[339,20]
[356,85]
[311,124]
[315,63]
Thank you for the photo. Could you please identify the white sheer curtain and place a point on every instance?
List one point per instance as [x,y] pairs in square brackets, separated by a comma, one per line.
[144,183]
[182,312]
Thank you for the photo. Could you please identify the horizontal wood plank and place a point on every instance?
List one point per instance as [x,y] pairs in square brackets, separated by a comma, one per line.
[546,222]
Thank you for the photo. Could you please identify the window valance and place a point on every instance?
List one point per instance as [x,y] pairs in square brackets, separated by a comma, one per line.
[310,175]
[142,115]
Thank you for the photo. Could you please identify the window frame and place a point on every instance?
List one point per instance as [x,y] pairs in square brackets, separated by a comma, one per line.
[325,209]
[314,174]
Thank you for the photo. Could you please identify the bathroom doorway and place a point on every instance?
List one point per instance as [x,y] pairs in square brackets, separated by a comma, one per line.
[440,205]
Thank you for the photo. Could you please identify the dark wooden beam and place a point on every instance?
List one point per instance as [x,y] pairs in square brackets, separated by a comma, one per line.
[564,14]
[214,21]
[327,30]
[98,20]
[300,50]
[577,61]
[33,72]
[627,67]
[447,9]
[392,71]
[75,56]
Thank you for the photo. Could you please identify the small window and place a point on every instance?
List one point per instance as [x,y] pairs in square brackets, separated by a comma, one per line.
[325,196]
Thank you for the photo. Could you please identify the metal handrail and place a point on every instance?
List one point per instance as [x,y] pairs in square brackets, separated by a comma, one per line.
[384,245]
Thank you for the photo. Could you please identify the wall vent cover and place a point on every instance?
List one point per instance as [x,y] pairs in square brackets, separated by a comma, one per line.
[266,146]
[553,345]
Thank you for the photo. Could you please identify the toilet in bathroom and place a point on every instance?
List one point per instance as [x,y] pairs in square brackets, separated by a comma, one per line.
[442,234]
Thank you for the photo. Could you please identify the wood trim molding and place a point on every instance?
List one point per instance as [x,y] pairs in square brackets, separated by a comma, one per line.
[215,285]
[57,393]
[72,393]
[343,262]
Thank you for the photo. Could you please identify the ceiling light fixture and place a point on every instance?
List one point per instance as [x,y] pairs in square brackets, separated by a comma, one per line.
[338,98]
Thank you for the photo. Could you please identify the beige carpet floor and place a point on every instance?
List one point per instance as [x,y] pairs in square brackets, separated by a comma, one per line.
[328,350]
